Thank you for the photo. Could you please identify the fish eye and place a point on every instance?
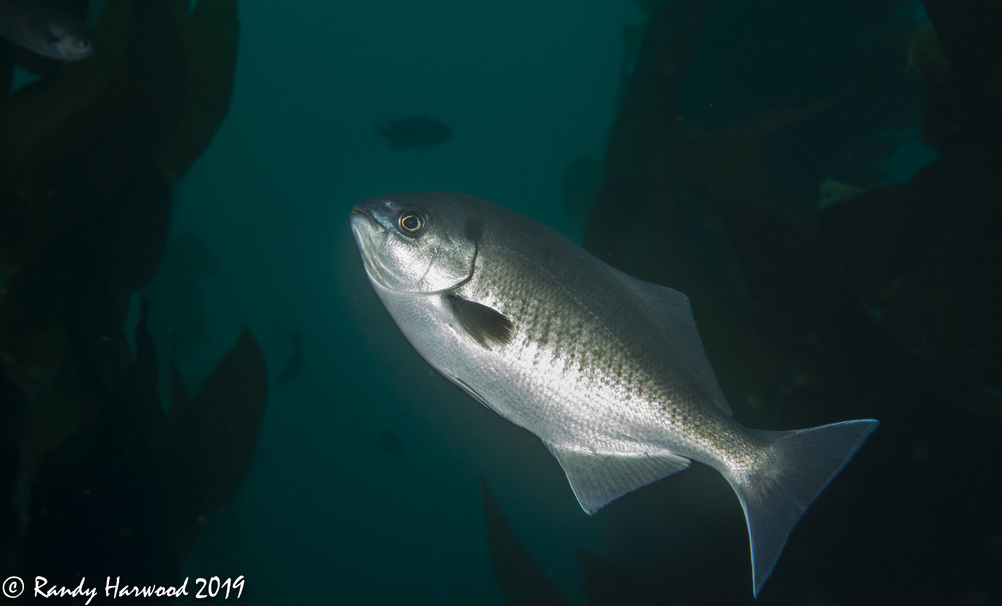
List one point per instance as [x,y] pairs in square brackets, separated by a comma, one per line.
[411,222]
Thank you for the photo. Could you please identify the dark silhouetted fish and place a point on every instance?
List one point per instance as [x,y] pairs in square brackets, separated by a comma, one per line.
[47,28]
[417,131]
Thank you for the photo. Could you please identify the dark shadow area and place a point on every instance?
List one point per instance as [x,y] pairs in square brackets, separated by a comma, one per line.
[102,477]
[879,301]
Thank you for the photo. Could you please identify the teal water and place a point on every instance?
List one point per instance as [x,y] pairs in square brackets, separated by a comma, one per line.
[326,513]
[821,179]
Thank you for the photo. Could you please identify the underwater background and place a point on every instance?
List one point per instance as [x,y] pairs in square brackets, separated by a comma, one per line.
[199,381]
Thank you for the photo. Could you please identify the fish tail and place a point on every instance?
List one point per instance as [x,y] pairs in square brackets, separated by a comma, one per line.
[797,466]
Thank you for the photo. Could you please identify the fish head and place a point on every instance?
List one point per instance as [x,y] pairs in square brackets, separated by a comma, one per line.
[422,243]
[69,43]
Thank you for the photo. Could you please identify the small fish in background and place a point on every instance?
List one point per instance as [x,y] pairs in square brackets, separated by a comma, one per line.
[608,371]
[417,131]
[47,28]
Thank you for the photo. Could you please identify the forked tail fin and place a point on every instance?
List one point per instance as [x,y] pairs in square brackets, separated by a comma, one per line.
[775,497]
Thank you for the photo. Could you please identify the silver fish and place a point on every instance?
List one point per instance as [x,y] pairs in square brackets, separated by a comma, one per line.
[46,28]
[608,371]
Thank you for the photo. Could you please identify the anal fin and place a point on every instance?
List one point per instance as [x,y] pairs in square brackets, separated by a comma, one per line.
[597,480]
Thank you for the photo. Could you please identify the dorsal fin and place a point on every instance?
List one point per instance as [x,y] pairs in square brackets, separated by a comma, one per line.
[671,311]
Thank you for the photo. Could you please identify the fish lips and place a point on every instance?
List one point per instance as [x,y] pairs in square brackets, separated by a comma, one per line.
[365,229]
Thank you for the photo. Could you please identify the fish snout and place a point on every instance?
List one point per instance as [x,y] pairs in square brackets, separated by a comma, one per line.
[362,219]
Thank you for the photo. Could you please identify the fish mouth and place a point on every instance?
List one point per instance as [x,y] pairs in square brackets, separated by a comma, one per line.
[362,212]
[365,227]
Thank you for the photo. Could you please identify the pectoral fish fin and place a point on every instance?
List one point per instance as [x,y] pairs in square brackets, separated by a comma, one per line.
[486,325]
[599,479]
[671,311]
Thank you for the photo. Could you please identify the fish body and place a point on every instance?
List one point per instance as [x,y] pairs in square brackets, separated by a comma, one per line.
[416,131]
[47,28]
[607,370]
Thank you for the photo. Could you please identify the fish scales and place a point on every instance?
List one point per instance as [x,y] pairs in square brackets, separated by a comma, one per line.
[611,385]
[608,371]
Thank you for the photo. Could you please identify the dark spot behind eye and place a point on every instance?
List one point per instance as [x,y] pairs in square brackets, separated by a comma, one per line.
[473,230]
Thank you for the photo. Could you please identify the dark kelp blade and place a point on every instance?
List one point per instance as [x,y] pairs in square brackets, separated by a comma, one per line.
[520,578]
